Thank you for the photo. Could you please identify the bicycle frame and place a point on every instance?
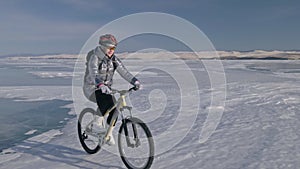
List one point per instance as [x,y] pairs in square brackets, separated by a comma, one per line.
[120,106]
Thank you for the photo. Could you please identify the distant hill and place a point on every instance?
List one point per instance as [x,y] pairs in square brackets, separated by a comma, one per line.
[223,55]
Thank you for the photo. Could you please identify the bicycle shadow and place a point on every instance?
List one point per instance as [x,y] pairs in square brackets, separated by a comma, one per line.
[60,154]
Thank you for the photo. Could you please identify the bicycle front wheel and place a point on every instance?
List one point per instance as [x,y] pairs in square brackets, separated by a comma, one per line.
[88,139]
[136,145]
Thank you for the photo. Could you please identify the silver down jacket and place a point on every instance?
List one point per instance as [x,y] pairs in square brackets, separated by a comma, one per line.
[100,70]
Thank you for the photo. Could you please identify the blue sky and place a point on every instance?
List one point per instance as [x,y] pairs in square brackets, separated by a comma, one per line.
[63,26]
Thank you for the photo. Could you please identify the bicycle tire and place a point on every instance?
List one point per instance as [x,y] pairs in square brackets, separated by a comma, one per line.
[121,146]
[81,135]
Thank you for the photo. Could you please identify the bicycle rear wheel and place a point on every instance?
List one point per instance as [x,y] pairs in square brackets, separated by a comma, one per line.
[136,145]
[88,139]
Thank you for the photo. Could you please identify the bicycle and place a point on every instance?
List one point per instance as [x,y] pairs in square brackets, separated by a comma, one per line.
[132,136]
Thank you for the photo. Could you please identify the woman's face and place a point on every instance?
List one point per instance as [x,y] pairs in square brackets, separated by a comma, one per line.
[109,51]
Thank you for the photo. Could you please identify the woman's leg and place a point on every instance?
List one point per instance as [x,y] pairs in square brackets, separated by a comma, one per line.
[105,102]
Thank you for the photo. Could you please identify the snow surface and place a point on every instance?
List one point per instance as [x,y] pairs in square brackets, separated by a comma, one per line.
[259,127]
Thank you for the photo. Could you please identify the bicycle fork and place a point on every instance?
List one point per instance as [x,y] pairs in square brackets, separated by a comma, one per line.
[135,135]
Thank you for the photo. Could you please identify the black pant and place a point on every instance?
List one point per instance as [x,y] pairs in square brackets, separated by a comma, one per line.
[105,102]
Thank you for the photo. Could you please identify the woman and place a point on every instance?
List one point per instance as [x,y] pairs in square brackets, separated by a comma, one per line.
[100,67]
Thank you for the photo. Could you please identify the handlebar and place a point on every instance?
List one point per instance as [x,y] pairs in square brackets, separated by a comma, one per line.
[122,92]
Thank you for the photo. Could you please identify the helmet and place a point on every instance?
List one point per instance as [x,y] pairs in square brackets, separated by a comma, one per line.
[108,40]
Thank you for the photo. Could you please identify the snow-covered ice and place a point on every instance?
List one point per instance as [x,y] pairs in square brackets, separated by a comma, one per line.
[259,127]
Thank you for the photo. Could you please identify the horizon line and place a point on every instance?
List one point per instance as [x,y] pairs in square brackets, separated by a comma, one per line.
[56,53]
